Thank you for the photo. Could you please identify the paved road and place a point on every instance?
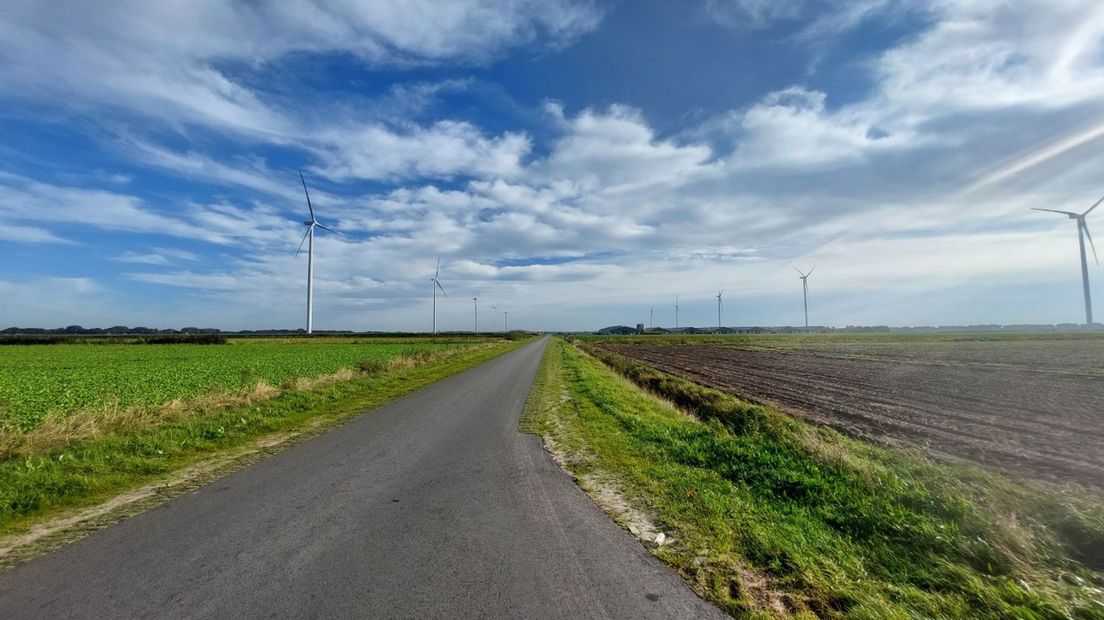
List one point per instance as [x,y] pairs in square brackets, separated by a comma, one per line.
[432,506]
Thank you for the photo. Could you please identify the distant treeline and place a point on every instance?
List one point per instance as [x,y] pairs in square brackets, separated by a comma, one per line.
[120,334]
[123,330]
[12,339]
[118,330]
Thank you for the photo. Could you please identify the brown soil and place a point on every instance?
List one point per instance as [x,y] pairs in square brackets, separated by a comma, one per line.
[1022,409]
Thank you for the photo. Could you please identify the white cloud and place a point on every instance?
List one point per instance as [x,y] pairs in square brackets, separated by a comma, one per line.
[755,13]
[991,55]
[27,234]
[616,150]
[169,61]
[445,149]
[25,200]
[793,127]
[157,256]
[820,18]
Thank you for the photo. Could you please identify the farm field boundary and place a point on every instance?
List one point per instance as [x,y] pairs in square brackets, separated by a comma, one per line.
[50,498]
[1025,407]
[769,516]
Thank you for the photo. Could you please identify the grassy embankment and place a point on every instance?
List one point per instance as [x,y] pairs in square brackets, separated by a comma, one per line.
[774,517]
[83,458]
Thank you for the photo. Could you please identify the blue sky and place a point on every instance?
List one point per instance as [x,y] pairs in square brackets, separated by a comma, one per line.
[573,162]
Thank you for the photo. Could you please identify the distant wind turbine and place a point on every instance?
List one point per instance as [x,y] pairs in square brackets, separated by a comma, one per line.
[475,300]
[494,319]
[651,317]
[308,238]
[1082,233]
[676,311]
[719,306]
[436,285]
[804,277]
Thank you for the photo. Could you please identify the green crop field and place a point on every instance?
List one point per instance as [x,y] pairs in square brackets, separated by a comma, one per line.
[37,380]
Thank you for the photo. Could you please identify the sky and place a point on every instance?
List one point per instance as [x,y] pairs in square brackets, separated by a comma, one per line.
[575,163]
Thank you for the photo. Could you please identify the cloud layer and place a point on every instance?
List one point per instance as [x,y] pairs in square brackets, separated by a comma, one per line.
[910,194]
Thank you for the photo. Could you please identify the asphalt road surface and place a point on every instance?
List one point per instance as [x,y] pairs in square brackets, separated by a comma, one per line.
[433,506]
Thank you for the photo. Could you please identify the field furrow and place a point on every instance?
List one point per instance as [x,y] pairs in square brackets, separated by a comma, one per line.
[1036,421]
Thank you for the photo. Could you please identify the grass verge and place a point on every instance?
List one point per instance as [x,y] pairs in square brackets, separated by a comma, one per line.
[94,469]
[772,517]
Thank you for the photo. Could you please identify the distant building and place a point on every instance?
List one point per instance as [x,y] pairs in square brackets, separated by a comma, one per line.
[640,328]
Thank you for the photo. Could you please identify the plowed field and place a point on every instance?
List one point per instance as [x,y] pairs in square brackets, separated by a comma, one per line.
[1031,410]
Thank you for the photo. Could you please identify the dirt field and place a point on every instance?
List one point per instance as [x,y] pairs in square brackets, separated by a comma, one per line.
[1033,409]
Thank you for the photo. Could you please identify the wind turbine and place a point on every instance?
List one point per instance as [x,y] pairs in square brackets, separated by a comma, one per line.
[676,311]
[494,319]
[311,225]
[475,300]
[719,305]
[804,277]
[1082,232]
[651,317]
[436,285]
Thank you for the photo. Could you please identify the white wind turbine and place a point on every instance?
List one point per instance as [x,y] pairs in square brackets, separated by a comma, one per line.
[494,319]
[475,300]
[804,277]
[436,285]
[720,305]
[308,238]
[1082,233]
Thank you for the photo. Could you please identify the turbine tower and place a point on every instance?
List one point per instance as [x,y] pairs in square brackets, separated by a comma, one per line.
[676,311]
[804,277]
[436,285]
[719,304]
[494,319]
[651,317]
[308,238]
[1082,233]
[475,300]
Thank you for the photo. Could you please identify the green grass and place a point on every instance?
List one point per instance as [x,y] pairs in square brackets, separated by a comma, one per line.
[89,471]
[36,381]
[774,517]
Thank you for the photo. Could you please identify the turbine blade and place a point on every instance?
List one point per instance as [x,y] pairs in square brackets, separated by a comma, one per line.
[304,240]
[336,232]
[1095,205]
[811,271]
[309,205]
[1085,227]
[1056,211]
[799,271]
[438,283]
[438,272]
